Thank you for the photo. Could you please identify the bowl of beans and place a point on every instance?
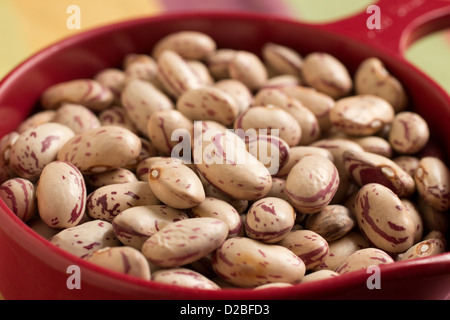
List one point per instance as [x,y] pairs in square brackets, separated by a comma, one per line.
[227,156]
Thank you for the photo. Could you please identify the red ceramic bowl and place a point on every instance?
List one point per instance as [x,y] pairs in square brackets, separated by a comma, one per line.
[32,268]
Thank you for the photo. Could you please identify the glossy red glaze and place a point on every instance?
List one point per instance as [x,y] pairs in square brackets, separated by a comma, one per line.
[32,268]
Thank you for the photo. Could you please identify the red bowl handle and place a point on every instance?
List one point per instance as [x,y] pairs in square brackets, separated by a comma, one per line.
[400,23]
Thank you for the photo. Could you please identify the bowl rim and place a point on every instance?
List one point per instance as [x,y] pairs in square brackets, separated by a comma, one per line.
[440,263]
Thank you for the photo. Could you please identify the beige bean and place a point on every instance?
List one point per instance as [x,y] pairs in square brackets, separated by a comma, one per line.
[306,119]
[223,160]
[175,74]
[220,209]
[185,241]
[101,149]
[248,68]
[425,248]
[298,152]
[141,99]
[307,245]
[372,77]
[269,219]
[6,143]
[210,191]
[19,195]
[282,59]
[281,81]
[117,116]
[114,79]
[141,66]
[208,103]
[319,103]
[76,117]
[384,219]
[416,216]
[273,285]
[119,175]
[176,185]
[409,133]
[374,144]
[86,238]
[238,91]
[167,128]
[319,182]
[327,74]
[361,115]
[408,163]
[278,189]
[148,149]
[270,150]
[218,61]
[342,248]
[37,147]
[202,71]
[41,228]
[319,275]
[432,178]
[184,277]
[270,118]
[133,226]
[246,262]
[332,223]
[106,202]
[362,259]
[87,92]
[433,219]
[188,44]
[124,259]
[36,119]
[143,168]
[366,167]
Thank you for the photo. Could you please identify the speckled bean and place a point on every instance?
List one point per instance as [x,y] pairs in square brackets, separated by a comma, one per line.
[270,150]
[117,116]
[246,262]
[269,219]
[37,147]
[238,91]
[101,149]
[36,119]
[220,209]
[383,218]
[185,241]
[184,277]
[327,74]
[76,117]
[133,226]
[19,195]
[306,119]
[248,68]
[425,248]
[416,216]
[270,118]
[408,163]
[141,99]
[108,201]
[361,115]
[319,275]
[176,185]
[282,60]
[87,92]
[375,144]
[433,219]
[175,74]
[312,183]
[307,245]
[366,167]
[61,195]
[208,103]
[432,178]
[114,79]
[119,175]
[218,61]
[409,133]
[202,72]
[280,81]
[332,223]
[362,259]
[141,66]
[342,248]
[86,238]
[319,103]
[239,174]
[298,152]
[371,77]
[124,259]
[188,44]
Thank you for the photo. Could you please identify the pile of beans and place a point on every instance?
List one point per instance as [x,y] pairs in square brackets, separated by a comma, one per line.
[349,183]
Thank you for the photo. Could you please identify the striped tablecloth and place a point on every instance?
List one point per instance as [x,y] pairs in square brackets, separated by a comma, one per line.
[27,26]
